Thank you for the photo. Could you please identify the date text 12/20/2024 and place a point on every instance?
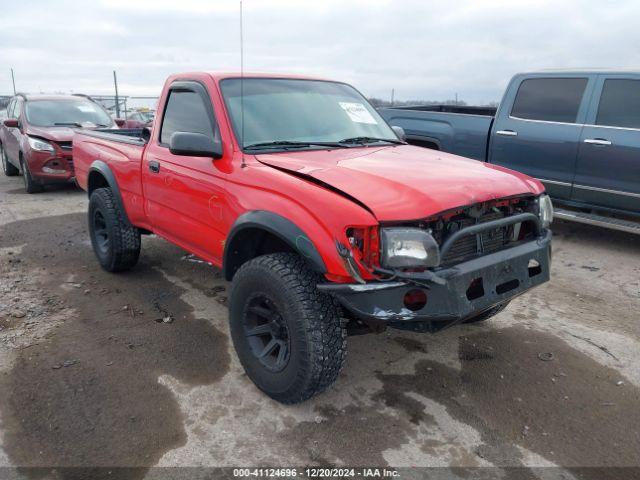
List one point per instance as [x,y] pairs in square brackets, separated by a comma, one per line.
[316,472]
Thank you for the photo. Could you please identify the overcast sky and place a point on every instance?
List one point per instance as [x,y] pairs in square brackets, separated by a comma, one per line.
[423,49]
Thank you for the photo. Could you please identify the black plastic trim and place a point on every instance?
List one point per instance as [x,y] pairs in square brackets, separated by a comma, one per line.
[120,136]
[199,88]
[103,169]
[482,227]
[278,226]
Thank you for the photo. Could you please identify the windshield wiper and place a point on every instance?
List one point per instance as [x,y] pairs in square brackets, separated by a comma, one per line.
[291,144]
[363,140]
[68,124]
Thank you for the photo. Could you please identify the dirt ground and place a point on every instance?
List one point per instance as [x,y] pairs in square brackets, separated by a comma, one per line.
[137,370]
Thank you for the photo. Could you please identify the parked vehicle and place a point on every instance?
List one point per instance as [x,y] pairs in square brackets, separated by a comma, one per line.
[576,131]
[139,119]
[317,213]
[35,139]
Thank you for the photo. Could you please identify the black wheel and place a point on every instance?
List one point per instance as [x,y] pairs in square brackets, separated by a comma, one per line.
[9,169]
[289,336]
[115,242]
[487,314]
[30,185]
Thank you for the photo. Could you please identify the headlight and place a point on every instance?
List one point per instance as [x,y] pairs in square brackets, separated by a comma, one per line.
[545,210]
[40,145]
[408,247]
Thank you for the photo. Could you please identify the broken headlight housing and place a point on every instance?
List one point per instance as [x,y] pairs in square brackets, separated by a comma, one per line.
[545,210]
[408,248]
[40,145]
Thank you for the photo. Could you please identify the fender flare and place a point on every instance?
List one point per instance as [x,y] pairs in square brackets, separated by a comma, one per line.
[278,226]
[105,171]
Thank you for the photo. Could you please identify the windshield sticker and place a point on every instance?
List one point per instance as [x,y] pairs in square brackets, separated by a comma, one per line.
[87,108]
[358,113]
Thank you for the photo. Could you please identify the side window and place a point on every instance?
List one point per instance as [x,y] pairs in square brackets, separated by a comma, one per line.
[10,108]
[185,112]
[17,108]
[620,104]
[549,99]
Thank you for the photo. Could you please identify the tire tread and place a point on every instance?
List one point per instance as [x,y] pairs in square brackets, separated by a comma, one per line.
[125,238]
[325,329]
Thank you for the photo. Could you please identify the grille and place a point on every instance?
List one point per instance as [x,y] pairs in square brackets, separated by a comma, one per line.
[65,145]
[474,245]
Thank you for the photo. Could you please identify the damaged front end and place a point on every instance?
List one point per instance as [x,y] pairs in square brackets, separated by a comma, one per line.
[469,260]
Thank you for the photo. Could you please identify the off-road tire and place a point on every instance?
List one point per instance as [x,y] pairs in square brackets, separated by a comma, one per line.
[316,333]
[9,169]
[30,185]
[119,249]
[487,314]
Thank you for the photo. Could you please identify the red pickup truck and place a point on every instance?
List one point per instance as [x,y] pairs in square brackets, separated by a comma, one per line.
[323,218]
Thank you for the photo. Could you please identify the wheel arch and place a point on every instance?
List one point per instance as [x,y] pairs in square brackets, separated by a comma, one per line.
[101,176]
[260,232]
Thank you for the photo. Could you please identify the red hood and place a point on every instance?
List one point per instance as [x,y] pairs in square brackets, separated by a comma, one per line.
[406,182]
[56,134]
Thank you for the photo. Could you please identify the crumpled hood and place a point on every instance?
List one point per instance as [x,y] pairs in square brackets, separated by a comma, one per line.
[56,134]
[405,182]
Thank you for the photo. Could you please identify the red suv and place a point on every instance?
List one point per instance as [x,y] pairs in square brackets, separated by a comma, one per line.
[35,139]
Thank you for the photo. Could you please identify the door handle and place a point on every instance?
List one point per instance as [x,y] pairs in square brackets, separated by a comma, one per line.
[154,166]
[507,133]
[597,141]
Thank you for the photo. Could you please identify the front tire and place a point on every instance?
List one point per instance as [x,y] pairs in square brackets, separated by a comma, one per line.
[30,185]
[487,314]
[9,169]
[289,336]
[115,242]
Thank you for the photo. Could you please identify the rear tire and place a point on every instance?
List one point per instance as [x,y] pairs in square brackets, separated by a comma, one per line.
[289,336]
[115,242]
[9,169]
[30,185]
[487,314]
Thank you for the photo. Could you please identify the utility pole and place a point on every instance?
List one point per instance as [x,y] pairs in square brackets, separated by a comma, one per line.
[13,80]
[115,83]
[393,94]
[456,98]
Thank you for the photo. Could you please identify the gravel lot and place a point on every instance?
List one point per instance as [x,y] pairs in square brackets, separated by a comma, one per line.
[137,369]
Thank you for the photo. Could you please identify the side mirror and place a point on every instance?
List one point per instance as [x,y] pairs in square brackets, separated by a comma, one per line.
[119,121]
[11,123]
[146,133]
[399,132]
[194,144]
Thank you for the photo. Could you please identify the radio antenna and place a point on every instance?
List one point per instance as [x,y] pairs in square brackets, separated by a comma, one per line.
[242,164]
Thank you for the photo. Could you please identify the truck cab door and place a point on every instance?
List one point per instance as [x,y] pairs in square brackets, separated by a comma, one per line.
[184,195]
[608,166]
[538,127]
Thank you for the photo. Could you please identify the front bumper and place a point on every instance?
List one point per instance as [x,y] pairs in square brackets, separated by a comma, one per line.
[50,167]
[471,287]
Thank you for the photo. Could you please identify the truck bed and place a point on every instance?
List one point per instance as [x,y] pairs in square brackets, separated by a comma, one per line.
[135,136]
[122,151]
[455,129]
[463,109]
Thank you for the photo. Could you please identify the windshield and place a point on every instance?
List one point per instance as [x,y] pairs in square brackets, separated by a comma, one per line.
[50,113]
[146,116]
[285,110]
